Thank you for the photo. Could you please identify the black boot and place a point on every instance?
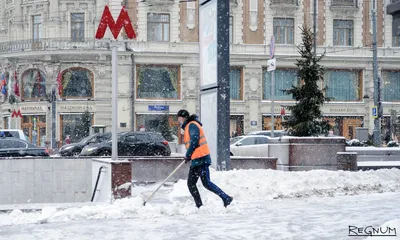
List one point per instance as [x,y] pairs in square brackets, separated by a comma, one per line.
[228,201]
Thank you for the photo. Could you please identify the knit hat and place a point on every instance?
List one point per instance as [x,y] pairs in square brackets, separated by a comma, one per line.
[183,113]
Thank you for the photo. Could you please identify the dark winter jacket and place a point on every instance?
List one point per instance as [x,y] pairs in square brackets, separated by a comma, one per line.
[194,132]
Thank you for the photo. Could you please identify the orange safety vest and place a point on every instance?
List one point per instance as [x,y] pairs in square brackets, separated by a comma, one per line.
[202,148]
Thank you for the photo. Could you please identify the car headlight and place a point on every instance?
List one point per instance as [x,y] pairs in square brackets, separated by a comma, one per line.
[89,149]
[68,148]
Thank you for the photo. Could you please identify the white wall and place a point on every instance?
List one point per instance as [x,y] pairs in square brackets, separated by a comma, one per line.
[45,180]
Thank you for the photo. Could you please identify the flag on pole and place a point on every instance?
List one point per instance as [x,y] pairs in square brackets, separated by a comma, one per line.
[59,81]
[3,85]
[16,85]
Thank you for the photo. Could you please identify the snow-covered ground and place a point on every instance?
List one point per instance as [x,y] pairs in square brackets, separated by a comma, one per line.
[267,204]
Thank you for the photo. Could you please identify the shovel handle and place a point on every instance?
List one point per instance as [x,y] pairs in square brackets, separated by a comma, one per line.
[173,172]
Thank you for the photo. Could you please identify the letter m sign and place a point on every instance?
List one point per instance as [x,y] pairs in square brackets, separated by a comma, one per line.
[115,27]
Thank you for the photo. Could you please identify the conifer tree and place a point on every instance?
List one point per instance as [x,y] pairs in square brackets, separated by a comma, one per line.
[306,118]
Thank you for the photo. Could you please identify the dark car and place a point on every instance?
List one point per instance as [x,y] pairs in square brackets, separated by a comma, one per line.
[132,144]
[15,147]
[74,149]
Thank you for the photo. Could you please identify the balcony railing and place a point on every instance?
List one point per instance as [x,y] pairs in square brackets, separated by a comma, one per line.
[344,3]
[256,51]
[288,2]
[52,44]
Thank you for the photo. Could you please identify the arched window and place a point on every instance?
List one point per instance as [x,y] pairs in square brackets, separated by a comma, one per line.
[33,84]
[77,83]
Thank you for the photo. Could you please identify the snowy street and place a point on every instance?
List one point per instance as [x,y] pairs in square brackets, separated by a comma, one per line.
[267,205]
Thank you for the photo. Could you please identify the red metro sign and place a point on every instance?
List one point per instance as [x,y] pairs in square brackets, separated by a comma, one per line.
[16,114]
[115,27]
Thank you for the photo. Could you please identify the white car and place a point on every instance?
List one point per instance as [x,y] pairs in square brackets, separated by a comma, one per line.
[250,146]
[14,133]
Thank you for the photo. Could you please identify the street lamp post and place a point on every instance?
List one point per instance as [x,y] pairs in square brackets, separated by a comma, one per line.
[377,93]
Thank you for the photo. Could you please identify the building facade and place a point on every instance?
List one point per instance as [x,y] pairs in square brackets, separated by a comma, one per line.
[49,46]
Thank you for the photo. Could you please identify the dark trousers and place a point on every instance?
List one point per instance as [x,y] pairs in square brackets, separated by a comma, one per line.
[203,172]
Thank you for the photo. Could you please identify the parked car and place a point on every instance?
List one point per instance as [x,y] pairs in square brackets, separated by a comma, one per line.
[250,145]
[132,144]
[74,149]
[277,133]
[355,143]
[392,144]
[13,133]
[15,147]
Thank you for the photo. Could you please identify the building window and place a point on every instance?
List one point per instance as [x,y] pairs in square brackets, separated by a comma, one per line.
[158,82]
[33,84]
[396,31]
[191,14]
[284,30]
[236,125]
[34,128]
[73,126]
[6,122]
[253,15]
[343,85]
[77,83]
[36,28]
[158,27]
[343,32]
[278,123]
[235,81]
[284,79]
[345,126]
[391,86]
[77,27]
[230,29]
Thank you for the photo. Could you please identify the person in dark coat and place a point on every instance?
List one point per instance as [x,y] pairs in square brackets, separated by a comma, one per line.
[198,153]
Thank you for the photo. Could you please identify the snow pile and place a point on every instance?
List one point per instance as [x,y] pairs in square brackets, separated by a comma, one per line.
[246,186]
[259,185]
[388,228]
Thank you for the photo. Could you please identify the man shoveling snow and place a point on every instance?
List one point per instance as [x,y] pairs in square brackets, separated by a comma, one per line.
[198,154]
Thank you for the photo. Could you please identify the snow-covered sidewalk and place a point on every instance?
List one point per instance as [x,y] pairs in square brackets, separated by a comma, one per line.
[267,205]
[303,218]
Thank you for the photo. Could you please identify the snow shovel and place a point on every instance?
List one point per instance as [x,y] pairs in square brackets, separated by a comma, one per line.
[173,172]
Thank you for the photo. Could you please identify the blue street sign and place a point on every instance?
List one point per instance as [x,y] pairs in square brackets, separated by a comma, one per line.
[158,108]
[374,112]
[253,123]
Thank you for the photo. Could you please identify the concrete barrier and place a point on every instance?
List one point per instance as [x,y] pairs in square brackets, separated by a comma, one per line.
[156,169]
[45,180]
[118,176]
[308,153]
[113,179]
[253,163]
[375,153]
[347,161]
[279,148]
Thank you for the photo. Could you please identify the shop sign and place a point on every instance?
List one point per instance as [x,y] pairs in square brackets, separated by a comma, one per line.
[33,109]
[343,110]
[76,108]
